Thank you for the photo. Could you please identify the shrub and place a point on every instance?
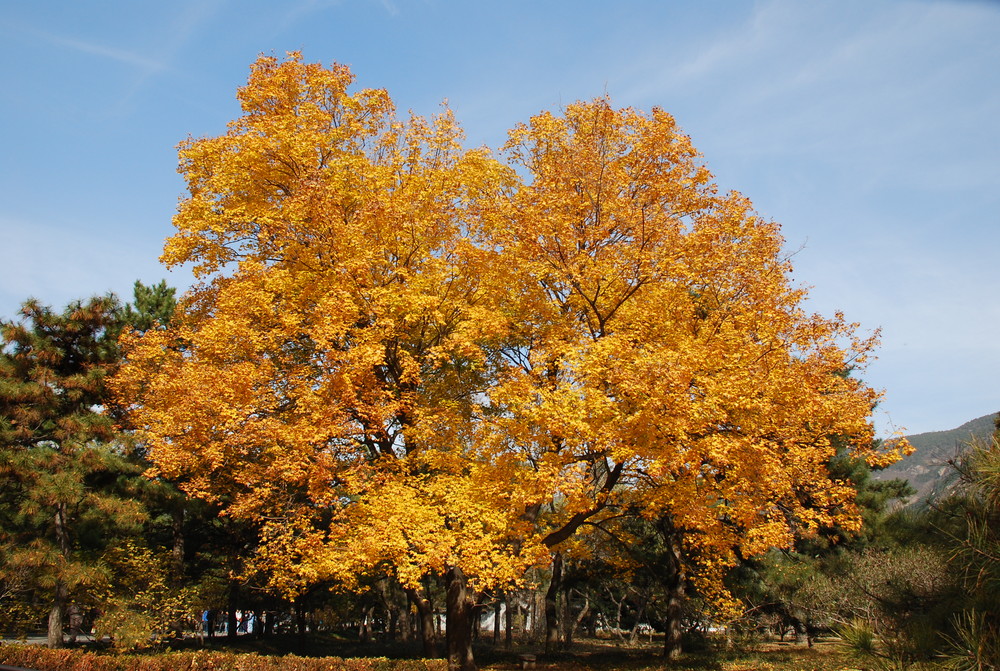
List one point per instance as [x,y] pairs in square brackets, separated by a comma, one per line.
[43,659]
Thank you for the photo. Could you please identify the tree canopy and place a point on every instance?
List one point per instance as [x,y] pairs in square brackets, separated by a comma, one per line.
[408,356]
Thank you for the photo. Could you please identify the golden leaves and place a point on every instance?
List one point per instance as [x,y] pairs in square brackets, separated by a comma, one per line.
[416,356]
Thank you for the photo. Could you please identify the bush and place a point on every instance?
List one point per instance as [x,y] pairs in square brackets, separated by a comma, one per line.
[43,659]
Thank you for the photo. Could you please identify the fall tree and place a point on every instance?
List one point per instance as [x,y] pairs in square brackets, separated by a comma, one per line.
[409,357]
[336,352]
[660,359]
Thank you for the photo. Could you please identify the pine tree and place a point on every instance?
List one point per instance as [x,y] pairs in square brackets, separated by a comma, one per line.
[61,463]
[152,305]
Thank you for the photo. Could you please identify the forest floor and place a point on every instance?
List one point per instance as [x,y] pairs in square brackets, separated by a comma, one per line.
[605,656]
[585,655]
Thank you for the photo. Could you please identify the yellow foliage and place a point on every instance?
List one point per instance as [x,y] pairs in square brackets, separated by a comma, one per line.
[409,356]
[139,606]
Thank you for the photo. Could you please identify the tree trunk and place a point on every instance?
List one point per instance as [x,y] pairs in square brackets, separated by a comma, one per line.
[55,631]
[460,609]
[364,628]
[532,618]
[568,623]
[177,552]
[384,588]
[674,582]
[584,612]
[404,626]
[57,613]
[509,633]
[619,603]
[231,623]
[497,607]
[633,635]
[552,605]
[425,622]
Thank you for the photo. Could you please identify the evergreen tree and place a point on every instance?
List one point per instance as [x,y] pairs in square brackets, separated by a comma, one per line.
[152,305]
[968,522]
[66,476]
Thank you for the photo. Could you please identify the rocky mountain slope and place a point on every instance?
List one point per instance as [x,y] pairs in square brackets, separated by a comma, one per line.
[927,469]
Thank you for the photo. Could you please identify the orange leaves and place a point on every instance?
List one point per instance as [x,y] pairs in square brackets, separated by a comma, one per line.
[665,336]
[415,359]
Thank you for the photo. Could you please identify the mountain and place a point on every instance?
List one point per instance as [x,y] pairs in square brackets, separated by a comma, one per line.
[927,469]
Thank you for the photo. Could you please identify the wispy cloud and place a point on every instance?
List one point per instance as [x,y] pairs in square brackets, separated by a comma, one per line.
[390,7]
[157,59]
[189,21]
[121,55]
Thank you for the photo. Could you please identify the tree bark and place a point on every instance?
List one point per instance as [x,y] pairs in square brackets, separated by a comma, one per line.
[509,633]
[531,618]
[633,635]
[496,620]
[56,623]
[460,609]
[584,612]
[231,624]
[568,622]
[177,552]
[364,627]
[674,583]
[405,625]
[425,622]
[57,613]
[552,605]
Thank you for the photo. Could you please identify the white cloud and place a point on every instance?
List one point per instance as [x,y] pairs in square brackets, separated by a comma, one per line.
[139,61]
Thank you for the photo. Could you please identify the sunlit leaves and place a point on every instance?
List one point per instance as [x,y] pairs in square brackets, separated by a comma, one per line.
[407,356]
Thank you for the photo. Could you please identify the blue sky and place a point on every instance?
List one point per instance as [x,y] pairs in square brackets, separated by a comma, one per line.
[869,130]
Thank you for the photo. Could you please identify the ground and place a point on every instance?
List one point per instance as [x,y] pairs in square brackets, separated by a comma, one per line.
[587,655]
[592,655]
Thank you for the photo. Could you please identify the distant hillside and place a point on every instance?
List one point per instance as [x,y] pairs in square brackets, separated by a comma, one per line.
[927,468]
